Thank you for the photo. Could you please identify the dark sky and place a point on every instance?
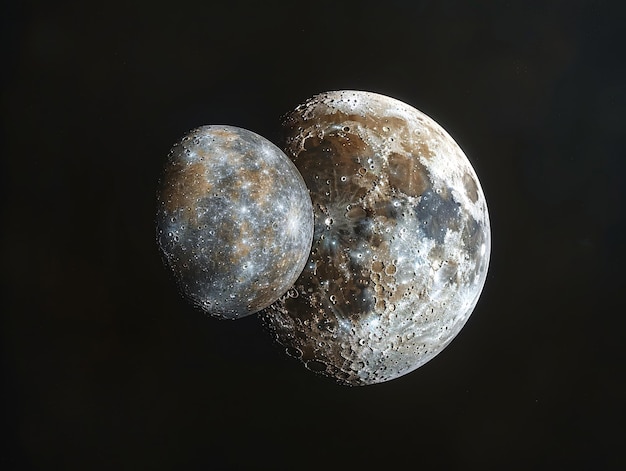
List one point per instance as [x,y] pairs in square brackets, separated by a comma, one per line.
[106,367]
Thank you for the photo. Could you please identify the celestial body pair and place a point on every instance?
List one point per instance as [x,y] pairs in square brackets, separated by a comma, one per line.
[364,246]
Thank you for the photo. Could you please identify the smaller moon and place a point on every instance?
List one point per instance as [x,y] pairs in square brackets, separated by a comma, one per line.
[234,220]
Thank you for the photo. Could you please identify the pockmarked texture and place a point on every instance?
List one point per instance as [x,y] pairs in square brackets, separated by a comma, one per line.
[401,243]
[234,220]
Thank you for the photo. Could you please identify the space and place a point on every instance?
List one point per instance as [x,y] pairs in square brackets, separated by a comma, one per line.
[106,366]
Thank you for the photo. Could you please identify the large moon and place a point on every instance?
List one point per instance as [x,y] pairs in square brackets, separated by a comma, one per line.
[234,220]
[401,243]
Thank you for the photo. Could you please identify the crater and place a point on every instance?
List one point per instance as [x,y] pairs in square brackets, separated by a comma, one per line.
[470,186]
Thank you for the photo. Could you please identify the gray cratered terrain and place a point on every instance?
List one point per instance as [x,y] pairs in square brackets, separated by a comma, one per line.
[234,220]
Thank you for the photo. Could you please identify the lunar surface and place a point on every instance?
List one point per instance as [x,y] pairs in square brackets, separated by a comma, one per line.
[234,220]
[401,243]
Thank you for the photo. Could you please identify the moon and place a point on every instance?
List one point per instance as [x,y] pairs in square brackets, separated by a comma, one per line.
[401,240]
[234,220]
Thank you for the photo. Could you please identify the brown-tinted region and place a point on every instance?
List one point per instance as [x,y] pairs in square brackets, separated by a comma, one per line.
[408,175]
[183,185]
[329,159]
[256,183]
[422,150]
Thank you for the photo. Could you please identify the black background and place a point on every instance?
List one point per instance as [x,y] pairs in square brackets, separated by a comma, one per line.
[106,367]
